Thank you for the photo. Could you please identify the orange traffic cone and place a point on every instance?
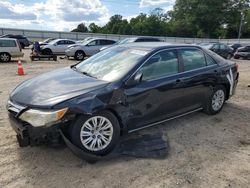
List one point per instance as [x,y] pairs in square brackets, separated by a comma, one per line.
[20,71]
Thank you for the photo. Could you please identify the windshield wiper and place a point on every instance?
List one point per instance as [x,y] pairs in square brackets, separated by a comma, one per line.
[87,74]
[83,72]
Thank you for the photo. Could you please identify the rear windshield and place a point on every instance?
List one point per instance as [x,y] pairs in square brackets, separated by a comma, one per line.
[7,43]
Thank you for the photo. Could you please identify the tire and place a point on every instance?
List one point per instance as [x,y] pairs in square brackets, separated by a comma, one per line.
[47,51]
[236,57]
[214,105]
[84,125]
[5,57]
[79,55]
[22,45]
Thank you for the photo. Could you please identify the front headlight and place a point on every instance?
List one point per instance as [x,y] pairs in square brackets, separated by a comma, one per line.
[40,118]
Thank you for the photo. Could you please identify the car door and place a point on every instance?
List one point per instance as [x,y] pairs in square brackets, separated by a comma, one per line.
[224,50]
[199,73]
[158,96]
[216,49]
[60,47]
[93,47]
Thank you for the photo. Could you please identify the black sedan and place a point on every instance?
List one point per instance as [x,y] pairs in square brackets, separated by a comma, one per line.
[243,53]
[120,90]
[221,49]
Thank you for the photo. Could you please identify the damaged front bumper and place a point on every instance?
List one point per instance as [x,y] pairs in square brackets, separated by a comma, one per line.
[29,135]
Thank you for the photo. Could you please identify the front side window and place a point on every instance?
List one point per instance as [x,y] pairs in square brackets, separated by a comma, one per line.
[113,63]
[94,43]
[7,43]
[192,59]
[162,64]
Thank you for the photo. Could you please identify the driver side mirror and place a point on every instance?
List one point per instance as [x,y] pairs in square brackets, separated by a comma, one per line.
[55,44]
[134,80]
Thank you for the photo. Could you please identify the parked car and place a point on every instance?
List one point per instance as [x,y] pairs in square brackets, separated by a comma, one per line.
[221,49]
[88,48]
[57,46]
[134,39]
[243,52]
[84,40]
[235,46]
[120,90]
[9,48]
[46,41]
[24,41]
[139,39]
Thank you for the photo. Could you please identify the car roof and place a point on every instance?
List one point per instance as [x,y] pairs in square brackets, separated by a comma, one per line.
[156,45]
[7,39]
[62,39]
[93,38]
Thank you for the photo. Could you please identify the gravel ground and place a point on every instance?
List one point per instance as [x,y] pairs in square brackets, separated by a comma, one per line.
[205,151]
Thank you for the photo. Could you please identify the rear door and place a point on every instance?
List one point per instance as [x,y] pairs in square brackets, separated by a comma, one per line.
[199,73]
[9,46]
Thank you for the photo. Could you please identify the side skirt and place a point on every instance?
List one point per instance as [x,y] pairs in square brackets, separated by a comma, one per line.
[163,121]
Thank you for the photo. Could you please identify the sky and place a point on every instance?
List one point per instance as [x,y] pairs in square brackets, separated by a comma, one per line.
[65,15]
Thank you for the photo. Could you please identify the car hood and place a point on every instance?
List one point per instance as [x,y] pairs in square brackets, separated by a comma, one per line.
[54,87]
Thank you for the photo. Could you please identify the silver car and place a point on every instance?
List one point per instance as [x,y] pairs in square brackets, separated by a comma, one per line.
[88,48]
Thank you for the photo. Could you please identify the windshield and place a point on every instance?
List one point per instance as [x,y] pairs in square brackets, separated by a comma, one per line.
[112,64]
[48,40]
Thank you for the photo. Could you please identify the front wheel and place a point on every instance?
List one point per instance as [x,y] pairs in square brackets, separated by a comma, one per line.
[79,55]
[97,134]
[216,100]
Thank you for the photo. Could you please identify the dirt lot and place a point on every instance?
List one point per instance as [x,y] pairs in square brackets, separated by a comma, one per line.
[205,151]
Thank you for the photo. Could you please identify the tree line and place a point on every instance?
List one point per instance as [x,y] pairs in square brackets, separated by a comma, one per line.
[189,18]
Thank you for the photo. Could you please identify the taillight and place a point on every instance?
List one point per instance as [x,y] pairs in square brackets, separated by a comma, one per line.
[20,48]
[237,67]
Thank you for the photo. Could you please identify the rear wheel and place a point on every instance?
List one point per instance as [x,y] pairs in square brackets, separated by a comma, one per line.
[97,134]
[5,57]
[216,100]
[79,55]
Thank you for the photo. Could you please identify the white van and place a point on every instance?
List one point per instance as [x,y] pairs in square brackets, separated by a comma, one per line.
[9,48]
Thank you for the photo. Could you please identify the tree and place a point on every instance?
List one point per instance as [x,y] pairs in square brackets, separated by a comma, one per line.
[81,28]
[189,18]
[93,28]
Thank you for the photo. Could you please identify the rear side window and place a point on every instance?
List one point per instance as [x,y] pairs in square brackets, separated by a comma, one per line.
[70,42]
[162,64]
[7,43]
[192,59]
[107,42]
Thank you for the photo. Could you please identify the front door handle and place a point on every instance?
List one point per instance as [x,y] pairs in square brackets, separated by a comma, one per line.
[178,81]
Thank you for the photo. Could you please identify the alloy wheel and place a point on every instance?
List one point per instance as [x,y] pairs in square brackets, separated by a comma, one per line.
[218,100]
[5,57]
[96,133]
